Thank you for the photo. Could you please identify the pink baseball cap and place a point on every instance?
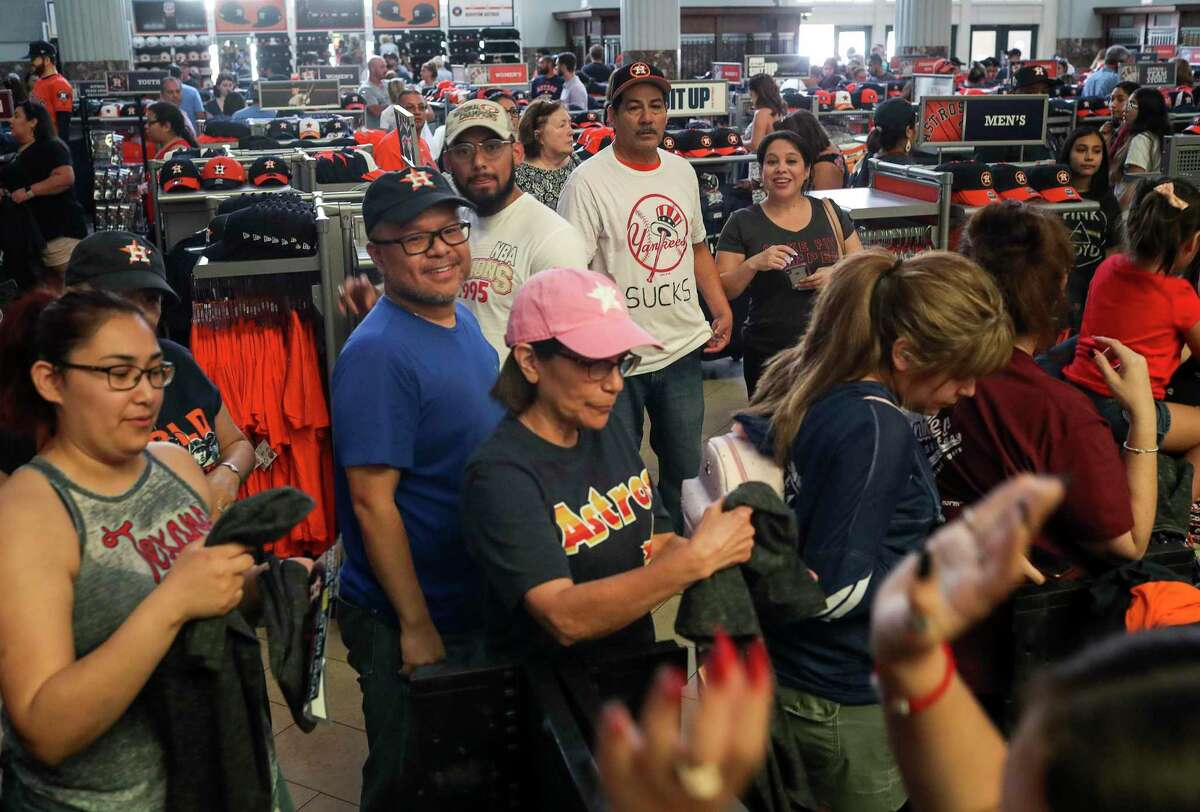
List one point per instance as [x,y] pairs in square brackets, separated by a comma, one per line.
[582,309]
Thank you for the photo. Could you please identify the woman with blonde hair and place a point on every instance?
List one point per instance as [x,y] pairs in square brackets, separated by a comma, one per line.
[888,337]
[545,132]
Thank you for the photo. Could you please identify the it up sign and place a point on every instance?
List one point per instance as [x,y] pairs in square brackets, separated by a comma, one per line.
[698,99]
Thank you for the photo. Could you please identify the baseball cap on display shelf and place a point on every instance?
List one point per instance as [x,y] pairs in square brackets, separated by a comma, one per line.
[635,73]
[824,100]
[597,139]
[118,261]
[1053,182]
[867,96]
[478,113]
[270,170]
[586,118]
[1093,106]
[1194,127]
[1032,75]
[268,229]
[226,129]
[310,128]
[282,129]
[583,310]
[668,143]
[179,175]
[842,100]
[353,101]
[222,173]
[110,110]
[1011,183]
[727,141]
[895,88]
[399,197]
[972,183]
[334,127]
[695,143]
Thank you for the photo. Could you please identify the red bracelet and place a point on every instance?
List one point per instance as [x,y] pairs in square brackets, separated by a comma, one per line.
[911,707]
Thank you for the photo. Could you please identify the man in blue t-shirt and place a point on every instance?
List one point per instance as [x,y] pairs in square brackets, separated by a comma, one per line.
[547,82]
[411,403]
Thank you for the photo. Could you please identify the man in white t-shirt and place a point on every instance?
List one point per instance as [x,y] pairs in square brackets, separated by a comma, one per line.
[512,234]
[638,209]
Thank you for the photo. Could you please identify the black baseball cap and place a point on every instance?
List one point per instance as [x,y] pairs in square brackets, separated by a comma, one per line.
[972,183]
[1011,183]
[179,174]
[118,261]
[635,73]
[1053,182]
[1033,75]
[41,48]
[270,170]
[398,197]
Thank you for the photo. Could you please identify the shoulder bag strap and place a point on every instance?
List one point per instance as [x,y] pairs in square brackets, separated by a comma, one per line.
[835,223]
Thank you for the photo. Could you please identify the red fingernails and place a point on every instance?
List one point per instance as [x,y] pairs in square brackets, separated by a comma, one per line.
[670,684]
[722,658]
[758,663]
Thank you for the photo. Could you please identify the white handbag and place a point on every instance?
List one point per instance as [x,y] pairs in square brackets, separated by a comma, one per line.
[727,461]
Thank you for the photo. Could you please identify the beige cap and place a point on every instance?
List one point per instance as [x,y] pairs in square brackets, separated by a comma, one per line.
[478,113]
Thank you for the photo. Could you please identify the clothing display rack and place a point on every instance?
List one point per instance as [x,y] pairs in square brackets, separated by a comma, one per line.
[900,197]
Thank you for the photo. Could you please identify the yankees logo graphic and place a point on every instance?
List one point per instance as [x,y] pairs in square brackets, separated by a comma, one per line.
[417,179]
[639,69]
[657,234]
[137,252]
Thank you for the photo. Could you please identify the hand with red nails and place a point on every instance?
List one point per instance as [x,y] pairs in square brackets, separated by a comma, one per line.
[966,571]
[653,767]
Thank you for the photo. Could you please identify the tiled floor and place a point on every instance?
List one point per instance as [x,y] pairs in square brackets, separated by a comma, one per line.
[324,768]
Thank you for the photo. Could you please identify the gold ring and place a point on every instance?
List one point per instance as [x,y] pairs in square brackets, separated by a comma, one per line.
[700,781]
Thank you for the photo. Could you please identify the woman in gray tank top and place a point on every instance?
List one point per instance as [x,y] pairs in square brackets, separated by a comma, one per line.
[100,535]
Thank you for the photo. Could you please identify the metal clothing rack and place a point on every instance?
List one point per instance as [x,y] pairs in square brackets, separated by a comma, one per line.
[139,119]
[899,192]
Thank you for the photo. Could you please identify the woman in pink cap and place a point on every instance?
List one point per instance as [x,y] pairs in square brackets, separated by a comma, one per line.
[560,510]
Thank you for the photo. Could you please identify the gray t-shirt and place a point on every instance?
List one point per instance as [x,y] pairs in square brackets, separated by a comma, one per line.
[374,94]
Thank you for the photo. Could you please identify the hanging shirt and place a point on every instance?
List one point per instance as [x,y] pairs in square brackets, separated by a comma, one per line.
[638,227]
[412,395]
[536,512]
[506,249]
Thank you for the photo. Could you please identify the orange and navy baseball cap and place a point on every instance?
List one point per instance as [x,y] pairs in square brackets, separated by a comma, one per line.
[727,141]
[824,100]
[353,101]
[867,96]
[270,170]
[1053,182]
[1092,107]
[582,119]
[179,175]
[695,143]
[668,143]
[972,183]
[224,172]
[1194,127]
[118,261]
[1011,183]
[635,73]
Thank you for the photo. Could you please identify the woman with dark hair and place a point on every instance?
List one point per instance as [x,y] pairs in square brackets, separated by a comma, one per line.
[781,250]
[13,83]
[1108,730]
[42,179]
[167,129]
[1096,234]
[545,132]
[768,106]
[1115,133]
[225,99]
[829,170]
[560,584]
[1148,122]
[891,139]
[976,76]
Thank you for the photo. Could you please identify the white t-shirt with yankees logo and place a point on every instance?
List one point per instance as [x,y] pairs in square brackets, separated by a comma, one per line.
[639,227]
[506,248]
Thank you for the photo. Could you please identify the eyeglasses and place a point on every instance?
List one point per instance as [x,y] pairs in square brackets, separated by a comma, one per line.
[464,153]
[599,370]
[123,377]
[421,241]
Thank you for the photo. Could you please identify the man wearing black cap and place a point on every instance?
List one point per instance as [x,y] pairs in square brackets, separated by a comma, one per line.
[51,88]
[638,208]
[411,403]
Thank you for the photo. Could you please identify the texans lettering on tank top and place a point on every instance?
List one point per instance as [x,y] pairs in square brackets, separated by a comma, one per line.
[160,544]
[591,523]
[657,237]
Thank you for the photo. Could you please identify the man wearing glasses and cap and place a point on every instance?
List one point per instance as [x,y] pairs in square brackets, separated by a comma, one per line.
[51,88]
[410,404]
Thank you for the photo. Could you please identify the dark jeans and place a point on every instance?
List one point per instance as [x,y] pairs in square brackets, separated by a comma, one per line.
[674,398]
[374,653]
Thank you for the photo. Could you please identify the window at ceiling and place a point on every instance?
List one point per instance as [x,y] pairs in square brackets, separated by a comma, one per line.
[816,42]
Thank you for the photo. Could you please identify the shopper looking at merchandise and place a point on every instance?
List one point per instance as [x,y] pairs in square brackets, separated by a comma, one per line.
[891,139]
[226,100]
[887,334]
[545,131]
[781,250]
[42,180]
[828,169]
[1115,130]
[768,106]
[167,130]
[638,209]
[831,75]
[428,76]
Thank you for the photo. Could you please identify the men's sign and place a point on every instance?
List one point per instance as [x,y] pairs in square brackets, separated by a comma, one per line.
[698,99]
[981,120]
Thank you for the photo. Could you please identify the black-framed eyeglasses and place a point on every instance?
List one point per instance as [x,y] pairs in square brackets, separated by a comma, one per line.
[123,377]
[599,370]
[421,241]
[465,152]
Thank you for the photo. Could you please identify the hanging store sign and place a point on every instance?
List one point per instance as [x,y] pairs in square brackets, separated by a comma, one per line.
[136,81]
[310,94]
[698,99]
[480,13]
[983,120]
[488,75]
[346,75]
[90,88]
[1150,74]
[394,14]
[728,71]
[169,17]
[326,15]
[780,65]
[251,15]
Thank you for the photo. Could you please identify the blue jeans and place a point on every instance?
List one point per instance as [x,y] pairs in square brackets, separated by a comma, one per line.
[674,398]
[374,653]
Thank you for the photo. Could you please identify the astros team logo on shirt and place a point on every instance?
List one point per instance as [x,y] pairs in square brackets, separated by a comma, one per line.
[657,234]
[602,513]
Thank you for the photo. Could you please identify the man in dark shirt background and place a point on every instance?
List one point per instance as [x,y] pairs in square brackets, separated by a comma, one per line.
[597,69]
[547,82]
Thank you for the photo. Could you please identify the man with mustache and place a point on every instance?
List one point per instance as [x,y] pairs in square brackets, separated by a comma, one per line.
[638,208]
[512,234]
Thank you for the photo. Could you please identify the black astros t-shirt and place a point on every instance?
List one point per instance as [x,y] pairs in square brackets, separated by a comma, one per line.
[779,312]
[57,215]
[536,512]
